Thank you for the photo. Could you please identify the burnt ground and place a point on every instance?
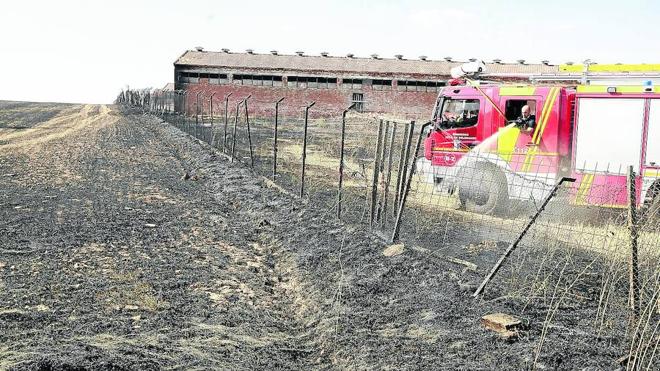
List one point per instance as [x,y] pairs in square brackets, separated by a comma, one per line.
[127,245]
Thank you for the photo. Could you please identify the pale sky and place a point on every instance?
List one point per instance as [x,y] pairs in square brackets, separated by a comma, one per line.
[86,51]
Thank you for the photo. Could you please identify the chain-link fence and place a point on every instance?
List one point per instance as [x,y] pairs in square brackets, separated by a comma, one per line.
[583,253]
[575,246]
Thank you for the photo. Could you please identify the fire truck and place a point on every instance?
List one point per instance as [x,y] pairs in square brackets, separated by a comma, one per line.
[592,133]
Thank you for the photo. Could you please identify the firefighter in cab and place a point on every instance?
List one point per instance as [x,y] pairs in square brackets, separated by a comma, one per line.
[526,121]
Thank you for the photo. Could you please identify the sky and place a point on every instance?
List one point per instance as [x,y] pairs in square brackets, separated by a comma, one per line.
[87,51]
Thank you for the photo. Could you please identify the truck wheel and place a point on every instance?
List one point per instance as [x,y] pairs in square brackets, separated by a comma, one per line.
[484,190]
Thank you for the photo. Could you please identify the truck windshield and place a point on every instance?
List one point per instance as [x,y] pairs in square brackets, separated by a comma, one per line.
[458,113]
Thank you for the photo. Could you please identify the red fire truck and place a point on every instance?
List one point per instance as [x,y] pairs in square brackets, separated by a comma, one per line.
[591,133]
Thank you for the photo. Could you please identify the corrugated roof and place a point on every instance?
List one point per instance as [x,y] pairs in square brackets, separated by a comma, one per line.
[345,65]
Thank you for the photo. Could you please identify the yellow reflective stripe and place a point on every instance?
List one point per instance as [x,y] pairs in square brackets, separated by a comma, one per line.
[507,137]
[547,115]
[451,149]
[544,121]
[583,190]
[619,89]
[614,206]
[650,172]
[545,108]
[529,159]
[611,68]
[591,89]
[516,90]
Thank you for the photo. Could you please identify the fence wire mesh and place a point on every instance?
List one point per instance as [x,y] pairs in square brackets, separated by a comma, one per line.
[573,266]
[583,255]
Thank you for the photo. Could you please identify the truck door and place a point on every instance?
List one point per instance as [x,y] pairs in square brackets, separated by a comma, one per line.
[652,145]
[608,139]
[651,155]
[457,122]
[531,150]
[513,142]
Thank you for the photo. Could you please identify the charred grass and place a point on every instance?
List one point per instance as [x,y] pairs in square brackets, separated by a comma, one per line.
[126,244]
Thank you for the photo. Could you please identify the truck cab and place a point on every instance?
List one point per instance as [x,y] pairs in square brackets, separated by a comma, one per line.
[475,130]
[590,133]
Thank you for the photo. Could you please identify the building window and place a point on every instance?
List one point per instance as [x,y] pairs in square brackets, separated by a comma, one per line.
[239,79]
[358,100]
[271,81]
[217,78]
[258,80]
[312,82]
[381,84]
[421,86]
[351,83]
[189,77]
[292,81]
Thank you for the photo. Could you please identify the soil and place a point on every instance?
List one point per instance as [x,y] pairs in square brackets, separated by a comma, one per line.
[125,244]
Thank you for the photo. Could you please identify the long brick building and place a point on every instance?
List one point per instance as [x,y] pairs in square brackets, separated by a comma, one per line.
[397,86]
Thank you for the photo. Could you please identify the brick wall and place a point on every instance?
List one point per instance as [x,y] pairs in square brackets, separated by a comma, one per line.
[329,102]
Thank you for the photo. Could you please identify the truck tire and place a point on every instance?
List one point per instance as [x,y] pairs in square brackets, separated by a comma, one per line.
[484,190]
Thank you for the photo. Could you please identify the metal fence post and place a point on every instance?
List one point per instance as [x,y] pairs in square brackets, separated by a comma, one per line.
[633,229]
[341,158]
[186,122]
[388,176]
[197,107]
[197,114]
[304,153]
[408,181]
[212,139]
[374,183]
[403,160]
[247,122]
[522,234]
[277,112]
[233,145]
[182,113]
[381,172]
[224,139]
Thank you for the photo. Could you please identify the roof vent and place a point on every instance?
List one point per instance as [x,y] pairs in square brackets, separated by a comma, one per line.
[422,57]
[398,56]
[300,53]
[472,59]
[273,52]
[448,59]
[374,56]
[324,54]
[546,62]
[199,48]
[350,55]
[225,50]
[569,63]
[249,51]
[521,61]
[497,61]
